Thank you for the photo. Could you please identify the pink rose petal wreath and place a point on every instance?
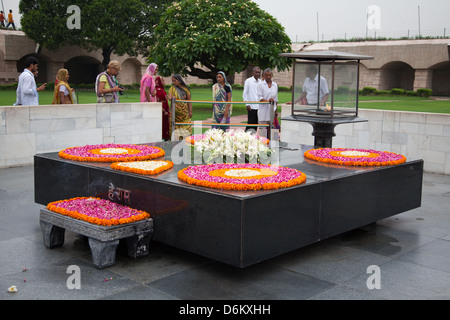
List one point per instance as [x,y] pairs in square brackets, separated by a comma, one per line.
[230,176]
[112,153]
[355,157]
[97,211]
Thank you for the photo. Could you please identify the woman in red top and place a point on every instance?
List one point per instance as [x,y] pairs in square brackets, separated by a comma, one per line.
[161,96]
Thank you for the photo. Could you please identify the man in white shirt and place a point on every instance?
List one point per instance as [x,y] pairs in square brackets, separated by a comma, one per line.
[311,88]
[27,93]
[267,92]
[251,94]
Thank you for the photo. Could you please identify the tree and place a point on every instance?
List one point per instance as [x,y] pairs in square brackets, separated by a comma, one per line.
[202,37]
[120,26]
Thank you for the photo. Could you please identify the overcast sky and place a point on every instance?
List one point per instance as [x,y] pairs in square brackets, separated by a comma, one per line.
[346,18]
[336,18]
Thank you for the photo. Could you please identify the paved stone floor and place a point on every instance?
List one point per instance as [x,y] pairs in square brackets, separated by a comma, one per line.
[412,251]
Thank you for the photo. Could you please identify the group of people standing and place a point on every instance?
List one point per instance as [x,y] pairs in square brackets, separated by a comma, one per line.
[152,89]
[260,90]
[255,90]
[27,93]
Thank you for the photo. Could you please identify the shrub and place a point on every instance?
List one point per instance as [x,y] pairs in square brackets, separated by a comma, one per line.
[398,92]
[424,92]
[135,85]
[366,91]
[382,92]
[12,86]
[284,89]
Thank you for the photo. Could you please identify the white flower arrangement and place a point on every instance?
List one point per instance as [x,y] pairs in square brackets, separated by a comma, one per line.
[232,147]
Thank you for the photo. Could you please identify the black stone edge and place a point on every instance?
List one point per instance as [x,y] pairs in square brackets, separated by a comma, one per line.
[243,194]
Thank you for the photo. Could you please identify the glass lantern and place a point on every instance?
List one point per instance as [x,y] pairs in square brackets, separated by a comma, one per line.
[325,91]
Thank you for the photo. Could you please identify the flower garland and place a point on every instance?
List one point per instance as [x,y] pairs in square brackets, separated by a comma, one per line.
[143,167]
[241,176]
[97,211]
[354,157]
[231,145]
[111,153]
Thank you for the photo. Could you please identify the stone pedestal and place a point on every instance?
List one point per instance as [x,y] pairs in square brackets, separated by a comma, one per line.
[53,235]
[323,128]
[103,240]
[103,253]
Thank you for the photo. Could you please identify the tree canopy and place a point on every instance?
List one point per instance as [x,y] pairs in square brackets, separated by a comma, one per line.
[202,37]
[120,26]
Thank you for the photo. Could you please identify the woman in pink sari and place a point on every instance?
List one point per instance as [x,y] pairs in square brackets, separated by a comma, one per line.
[148,87]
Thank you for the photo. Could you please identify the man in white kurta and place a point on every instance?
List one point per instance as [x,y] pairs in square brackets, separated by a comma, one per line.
[251,94]
[311,88]
[267,92]
[27,93]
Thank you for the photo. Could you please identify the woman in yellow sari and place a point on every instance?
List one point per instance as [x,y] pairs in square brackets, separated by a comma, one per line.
[63,92]
[183,110]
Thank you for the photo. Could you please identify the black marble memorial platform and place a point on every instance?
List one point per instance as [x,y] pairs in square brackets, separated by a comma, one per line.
[235,227]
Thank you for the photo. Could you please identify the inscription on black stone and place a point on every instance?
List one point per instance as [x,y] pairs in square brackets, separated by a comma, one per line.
[119,195]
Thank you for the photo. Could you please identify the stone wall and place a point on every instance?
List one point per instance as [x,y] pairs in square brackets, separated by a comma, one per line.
[29,130]
[26,131]
[415,135]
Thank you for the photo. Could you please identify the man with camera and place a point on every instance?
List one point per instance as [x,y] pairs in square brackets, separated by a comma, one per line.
[106,85]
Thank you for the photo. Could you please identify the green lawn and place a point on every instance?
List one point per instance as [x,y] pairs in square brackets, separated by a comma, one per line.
[418,105]
[204,111]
